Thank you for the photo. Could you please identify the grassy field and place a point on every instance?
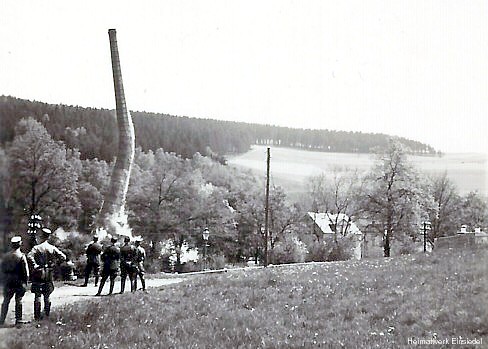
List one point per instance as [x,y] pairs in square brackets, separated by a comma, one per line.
[378,303]
[291,167]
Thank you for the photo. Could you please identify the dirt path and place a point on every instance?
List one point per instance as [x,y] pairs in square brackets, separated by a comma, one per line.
[67,294]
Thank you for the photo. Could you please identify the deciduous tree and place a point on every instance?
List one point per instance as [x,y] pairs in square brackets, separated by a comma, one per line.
[445,218]
[92,184]
[393,195]
[338,194]
[474,211]
[43,177]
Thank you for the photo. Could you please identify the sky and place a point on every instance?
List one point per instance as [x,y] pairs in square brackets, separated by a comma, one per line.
[416,68]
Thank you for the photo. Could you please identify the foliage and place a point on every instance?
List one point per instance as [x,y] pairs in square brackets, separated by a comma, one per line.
[169,198]
[289,250]
[394,196]
[318,251]
[74,246]
[216,262]
[45,180]
[474,210]
[444,218]
[372,303]
[4,216]
[340,252]
[94,132]
[175,196]
[339,195]
[336,193]
[93,182]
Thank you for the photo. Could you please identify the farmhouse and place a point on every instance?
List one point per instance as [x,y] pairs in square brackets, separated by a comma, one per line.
[339,226]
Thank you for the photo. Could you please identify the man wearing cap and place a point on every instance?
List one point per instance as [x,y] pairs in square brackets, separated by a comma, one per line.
[111,265]
[140,258]
[43,257]
[16,274]
[93,252]
[127,265]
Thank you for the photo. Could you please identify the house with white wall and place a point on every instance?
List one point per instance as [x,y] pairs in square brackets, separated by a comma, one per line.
[339,226]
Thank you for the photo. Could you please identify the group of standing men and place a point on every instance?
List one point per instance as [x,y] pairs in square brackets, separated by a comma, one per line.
[15,268]
[129,259]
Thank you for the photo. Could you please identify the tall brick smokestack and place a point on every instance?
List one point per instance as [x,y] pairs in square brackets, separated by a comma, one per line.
[112,216]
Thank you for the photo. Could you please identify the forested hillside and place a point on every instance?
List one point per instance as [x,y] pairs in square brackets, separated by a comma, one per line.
[171,199]
[93,132]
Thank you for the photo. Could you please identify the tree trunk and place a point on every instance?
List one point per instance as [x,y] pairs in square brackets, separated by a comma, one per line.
[388,233]
[178,246]
[112,216]
[386,246]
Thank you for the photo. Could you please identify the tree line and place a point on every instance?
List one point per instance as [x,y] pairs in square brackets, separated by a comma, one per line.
[93,132]
[171,199]
[394,199]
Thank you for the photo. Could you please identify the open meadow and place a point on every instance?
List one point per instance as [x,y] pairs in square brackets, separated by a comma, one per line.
[290,168]
[376,303]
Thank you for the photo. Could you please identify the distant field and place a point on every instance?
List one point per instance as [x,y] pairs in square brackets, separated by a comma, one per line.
[290,168]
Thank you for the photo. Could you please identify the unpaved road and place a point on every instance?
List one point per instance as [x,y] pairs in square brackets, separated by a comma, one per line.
[67,294]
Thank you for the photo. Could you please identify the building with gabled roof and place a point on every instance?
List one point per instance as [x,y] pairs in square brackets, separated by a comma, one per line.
[339,225]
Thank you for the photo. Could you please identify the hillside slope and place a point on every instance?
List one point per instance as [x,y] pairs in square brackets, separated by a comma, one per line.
[92,131]
[291,168]
[357,304]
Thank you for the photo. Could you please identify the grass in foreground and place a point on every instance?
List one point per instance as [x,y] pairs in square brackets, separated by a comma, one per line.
[373,303]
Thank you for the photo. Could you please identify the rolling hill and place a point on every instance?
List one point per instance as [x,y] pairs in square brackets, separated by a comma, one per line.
[290,168]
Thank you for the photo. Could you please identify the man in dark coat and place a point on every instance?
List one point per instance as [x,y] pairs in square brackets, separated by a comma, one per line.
[43,258]
[128,266]
[15,276]
[93,252]
[111,265]
[140,258]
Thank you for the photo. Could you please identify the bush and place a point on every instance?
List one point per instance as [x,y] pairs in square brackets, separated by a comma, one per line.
[318,251]
[73,245]
[289,250]
[190,267]
[212,263]
[406,246]
[216,262]
[339,252]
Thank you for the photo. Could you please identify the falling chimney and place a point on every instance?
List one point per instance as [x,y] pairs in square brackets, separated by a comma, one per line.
[112,216]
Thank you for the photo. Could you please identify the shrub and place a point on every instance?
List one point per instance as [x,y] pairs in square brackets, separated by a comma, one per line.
[190,267]
[216,262]
[289,250]
[407,246]
[339,252]
[318,251]
[73,245]
[212,262]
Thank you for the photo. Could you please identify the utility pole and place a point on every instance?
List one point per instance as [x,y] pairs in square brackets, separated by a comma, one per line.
[427,226]
[266,211]
[425,237]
